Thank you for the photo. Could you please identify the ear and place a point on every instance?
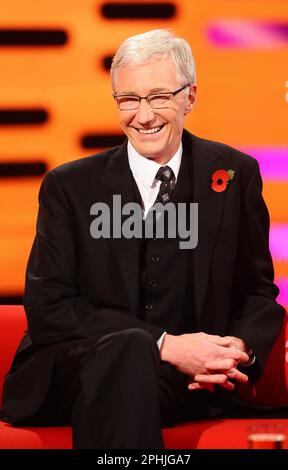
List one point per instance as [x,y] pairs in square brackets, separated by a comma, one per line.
[191,99]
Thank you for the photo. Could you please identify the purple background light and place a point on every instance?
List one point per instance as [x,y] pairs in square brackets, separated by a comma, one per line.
[283,295]
[279,241]
[249,34]
[273,161]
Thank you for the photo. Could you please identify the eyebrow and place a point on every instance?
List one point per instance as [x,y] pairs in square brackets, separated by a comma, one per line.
[153,90]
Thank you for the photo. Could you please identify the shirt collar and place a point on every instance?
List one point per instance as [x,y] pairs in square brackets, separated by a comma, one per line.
[145,170]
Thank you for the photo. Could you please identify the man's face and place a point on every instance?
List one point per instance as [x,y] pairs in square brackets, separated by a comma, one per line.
[154,76]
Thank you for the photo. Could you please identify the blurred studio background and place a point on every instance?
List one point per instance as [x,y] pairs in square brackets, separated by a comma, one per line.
[56,103]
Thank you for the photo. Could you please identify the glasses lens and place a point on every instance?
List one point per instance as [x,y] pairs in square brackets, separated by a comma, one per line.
[160,101]
[127,102]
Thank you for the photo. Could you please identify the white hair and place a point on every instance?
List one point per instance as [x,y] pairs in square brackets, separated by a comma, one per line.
[141,48]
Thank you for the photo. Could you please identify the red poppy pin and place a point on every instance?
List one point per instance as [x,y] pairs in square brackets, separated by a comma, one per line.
[220,179]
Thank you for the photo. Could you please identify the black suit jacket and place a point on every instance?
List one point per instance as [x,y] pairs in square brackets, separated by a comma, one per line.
[77,286]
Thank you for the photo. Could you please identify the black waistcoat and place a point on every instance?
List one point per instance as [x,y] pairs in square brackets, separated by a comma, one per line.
[166,288]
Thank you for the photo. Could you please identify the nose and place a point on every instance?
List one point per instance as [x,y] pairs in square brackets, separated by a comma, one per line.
[145,112]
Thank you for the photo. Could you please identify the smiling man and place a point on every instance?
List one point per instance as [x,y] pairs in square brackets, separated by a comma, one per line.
[155,130]
[125,334]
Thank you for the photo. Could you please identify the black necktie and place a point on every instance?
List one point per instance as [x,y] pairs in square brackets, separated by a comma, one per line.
[167,178]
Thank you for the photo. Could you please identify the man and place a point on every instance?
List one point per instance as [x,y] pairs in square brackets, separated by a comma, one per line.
[128,334]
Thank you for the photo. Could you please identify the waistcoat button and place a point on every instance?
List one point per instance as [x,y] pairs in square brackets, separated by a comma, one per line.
[149,307]
[154,283]
[155,259]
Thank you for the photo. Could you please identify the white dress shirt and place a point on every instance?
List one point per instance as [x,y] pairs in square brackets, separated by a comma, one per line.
[144,172]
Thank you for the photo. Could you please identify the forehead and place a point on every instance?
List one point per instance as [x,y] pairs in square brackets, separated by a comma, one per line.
[156,74]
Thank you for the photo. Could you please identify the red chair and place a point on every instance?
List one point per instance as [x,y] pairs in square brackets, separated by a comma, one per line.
[271,390]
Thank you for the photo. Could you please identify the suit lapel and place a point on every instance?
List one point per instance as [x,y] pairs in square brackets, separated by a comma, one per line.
[203,161]
[117,180]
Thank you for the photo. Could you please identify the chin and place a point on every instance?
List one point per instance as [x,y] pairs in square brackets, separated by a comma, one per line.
[150,151]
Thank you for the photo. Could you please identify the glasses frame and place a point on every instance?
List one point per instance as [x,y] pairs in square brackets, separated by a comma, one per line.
[149,97]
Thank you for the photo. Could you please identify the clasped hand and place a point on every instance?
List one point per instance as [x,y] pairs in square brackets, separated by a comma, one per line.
[207,360]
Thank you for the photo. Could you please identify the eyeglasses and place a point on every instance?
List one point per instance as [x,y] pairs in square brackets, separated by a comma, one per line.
[156,100]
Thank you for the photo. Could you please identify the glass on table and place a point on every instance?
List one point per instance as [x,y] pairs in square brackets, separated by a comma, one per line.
[267,436]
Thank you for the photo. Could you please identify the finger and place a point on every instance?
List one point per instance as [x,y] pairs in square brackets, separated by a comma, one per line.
[211,378]
[236,354]
[244,357]
[235,374]
[220,364]
[227,385]
[201,386]
[210,387]
[220,340]
[224,367]
[233,353]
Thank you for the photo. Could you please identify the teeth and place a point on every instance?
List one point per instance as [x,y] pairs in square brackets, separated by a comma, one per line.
[149,131]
